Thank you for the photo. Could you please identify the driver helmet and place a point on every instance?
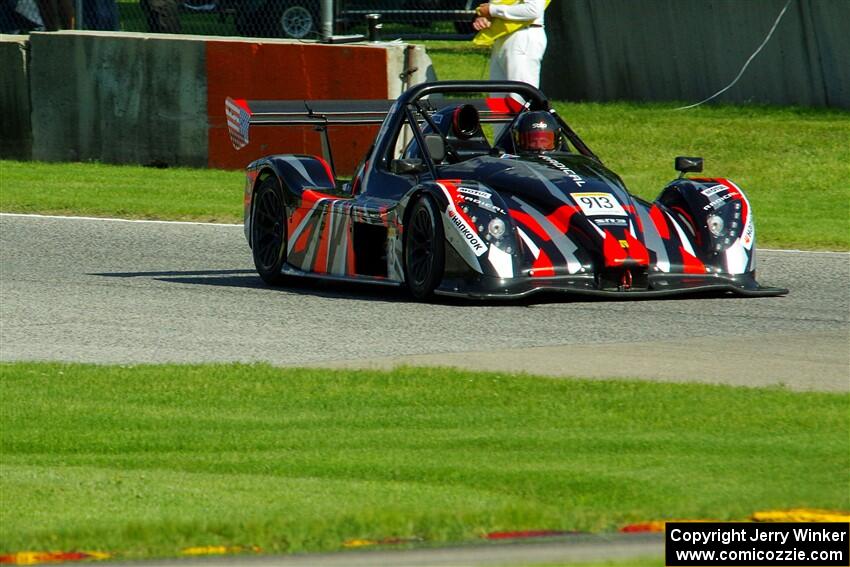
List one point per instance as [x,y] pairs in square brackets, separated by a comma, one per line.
[537,131]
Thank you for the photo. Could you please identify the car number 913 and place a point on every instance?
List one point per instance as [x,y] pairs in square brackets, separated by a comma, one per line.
[593,204]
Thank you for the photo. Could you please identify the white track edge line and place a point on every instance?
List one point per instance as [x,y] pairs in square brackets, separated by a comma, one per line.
[108,219]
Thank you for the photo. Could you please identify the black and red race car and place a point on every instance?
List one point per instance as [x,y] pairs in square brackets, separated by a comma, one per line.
[438,208]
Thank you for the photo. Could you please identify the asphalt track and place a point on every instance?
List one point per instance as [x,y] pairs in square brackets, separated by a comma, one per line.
[106,291]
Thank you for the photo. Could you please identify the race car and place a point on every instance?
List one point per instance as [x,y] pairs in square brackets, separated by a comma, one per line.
[438,208]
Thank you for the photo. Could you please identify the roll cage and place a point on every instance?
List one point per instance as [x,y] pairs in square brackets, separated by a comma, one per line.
[416,106]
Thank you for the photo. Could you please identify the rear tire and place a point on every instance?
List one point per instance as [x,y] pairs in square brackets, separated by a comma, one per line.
[424,249]
[268,231]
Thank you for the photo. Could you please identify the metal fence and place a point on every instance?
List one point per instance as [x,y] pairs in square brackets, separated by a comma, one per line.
[298,19]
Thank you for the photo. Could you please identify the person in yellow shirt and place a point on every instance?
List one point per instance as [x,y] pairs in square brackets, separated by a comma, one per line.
[517,55]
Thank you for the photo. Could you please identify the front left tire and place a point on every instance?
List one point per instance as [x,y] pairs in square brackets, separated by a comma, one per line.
[424,249]
[268,231]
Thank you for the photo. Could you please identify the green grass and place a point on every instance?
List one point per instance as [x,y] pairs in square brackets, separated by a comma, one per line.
[93,189]
[146,460]
[458,60]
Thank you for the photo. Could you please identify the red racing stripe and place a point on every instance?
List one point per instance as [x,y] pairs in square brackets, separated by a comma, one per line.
[350,263]
[691,263]
[561,217]
[301,243]
[660,222]
[504,105]
[637,251]
[638,222]
[309,197]
[331,177]
[542,266]
[529,223]
[320,266]
[451,187]
[613,251]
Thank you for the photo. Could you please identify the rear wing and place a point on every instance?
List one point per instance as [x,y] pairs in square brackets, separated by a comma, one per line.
[242,114]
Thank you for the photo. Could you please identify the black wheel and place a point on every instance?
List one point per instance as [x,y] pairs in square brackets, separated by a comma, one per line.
[424,249]
[294,19]
[268,231]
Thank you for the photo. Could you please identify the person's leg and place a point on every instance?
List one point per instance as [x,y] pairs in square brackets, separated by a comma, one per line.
[524,53]
[498,72]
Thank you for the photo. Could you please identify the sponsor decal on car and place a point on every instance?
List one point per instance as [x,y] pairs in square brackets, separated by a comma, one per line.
[603,221]
[474,192]
[749,233]
[718,202]
[569,172]
[468,233]
[598,203]
[483,204]
[713,190]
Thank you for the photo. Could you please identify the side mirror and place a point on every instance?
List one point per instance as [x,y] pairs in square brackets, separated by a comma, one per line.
[436,147]
[407,166]
[688,164]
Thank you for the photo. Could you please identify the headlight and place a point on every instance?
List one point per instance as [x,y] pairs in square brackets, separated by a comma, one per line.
[496,228]
[715,224]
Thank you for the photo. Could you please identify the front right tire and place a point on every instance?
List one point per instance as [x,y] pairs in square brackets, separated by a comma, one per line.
[268,231]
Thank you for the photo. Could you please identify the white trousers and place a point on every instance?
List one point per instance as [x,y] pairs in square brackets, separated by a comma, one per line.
[517,57]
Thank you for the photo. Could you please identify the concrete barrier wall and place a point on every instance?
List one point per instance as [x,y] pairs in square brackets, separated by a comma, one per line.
[128,99]
[15,127]
[687,50]
[159,99]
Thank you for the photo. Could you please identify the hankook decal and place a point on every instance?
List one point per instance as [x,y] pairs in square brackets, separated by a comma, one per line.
[469,235]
